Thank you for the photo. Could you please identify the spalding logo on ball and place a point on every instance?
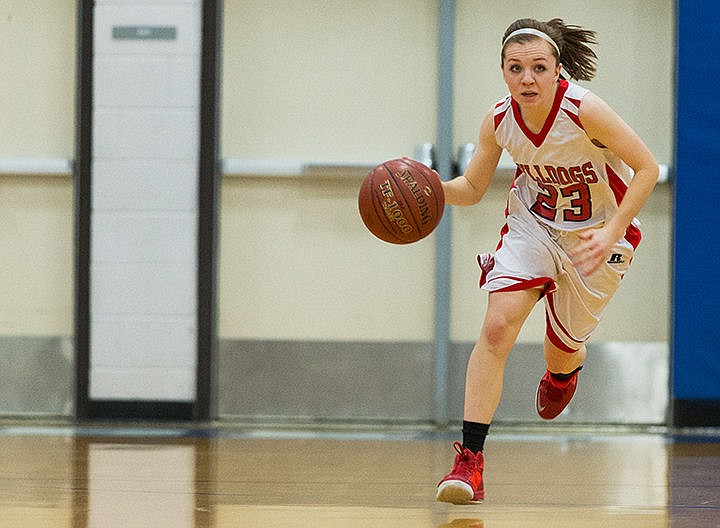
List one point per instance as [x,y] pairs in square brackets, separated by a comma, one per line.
[401,201]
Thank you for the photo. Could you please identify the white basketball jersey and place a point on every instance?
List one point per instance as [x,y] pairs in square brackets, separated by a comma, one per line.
[564,179]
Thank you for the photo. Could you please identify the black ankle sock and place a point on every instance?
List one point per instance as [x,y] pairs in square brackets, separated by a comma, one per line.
[474,435]
[563,377]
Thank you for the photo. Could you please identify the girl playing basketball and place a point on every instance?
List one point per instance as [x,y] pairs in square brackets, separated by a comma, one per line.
[570,230]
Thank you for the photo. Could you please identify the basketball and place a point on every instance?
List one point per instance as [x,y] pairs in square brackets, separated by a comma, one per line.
[401,201]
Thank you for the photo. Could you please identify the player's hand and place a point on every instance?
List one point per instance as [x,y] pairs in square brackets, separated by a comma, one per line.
[593,251]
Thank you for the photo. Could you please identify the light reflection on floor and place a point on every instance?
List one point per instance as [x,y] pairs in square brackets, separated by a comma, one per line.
[109,477]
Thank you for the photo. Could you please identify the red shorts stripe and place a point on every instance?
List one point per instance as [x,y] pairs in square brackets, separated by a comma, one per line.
[545,283]
[554,339]
[550,331]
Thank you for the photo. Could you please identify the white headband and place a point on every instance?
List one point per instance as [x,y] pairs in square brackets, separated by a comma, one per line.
[531,31]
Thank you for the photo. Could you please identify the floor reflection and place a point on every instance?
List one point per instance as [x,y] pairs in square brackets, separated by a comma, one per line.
[215,479]
[139,484]
[464,523]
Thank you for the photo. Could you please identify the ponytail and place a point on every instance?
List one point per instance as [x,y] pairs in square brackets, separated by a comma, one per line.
[576,57]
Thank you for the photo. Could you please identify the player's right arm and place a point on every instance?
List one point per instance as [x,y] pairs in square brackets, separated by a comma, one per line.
[469,188]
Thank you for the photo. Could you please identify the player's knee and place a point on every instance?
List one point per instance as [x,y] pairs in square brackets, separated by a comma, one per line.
[499,335]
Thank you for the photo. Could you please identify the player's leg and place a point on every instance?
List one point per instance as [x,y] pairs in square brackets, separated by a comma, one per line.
[573,312]
[506,313]
[563,361]
[521,269]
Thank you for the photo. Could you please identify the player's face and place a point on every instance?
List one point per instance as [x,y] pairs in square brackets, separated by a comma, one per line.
[531,71]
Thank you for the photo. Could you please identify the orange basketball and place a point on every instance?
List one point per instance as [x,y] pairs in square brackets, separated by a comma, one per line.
[401,201]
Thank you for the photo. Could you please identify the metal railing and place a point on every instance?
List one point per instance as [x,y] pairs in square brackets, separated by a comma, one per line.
[241,167]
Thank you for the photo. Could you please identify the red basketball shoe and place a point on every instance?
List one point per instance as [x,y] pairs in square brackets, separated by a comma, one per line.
[464,484]
[553,395]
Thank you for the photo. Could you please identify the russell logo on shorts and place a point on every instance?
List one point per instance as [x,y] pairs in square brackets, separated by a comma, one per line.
[616,258]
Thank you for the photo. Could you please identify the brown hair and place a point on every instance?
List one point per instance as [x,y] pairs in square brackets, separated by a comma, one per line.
[576,57]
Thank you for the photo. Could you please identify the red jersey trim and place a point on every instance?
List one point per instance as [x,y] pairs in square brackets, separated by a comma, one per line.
[574,101]
[574,118]
[633,235]
[497,118]
[537,139]
[616,183]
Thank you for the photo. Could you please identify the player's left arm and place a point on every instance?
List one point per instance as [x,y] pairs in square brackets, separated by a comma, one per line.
[604,125]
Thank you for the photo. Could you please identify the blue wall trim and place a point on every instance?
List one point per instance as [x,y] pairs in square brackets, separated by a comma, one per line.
[696,327]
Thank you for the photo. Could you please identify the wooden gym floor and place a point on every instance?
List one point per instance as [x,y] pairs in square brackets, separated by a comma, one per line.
[107,477]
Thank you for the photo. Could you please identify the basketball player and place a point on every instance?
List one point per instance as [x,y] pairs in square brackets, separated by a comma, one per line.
[570,228]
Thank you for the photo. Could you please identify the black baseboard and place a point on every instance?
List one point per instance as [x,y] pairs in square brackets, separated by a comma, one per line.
[139,410]
[696,413]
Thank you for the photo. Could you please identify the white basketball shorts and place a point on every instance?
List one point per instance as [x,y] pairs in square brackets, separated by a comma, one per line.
[534,255]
